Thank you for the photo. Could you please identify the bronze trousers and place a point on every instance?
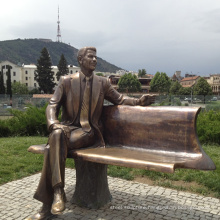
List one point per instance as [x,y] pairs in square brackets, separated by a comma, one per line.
[53,172]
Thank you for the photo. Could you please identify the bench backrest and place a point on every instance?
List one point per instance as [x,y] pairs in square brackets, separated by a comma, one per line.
[170,129]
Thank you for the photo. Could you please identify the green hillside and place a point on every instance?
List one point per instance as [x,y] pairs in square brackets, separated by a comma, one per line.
[28,51]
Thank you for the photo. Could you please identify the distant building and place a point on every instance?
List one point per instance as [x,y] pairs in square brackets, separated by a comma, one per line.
[121,72]
[177,76]
[189,81]
[189,75]
[145,82]
[25,73]
[214,82]
[45,40]
[114,78]
[148,76]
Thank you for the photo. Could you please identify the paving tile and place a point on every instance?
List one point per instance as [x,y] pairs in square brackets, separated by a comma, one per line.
[131,200]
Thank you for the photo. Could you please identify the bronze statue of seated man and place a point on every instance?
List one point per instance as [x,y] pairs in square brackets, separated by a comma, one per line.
[81,96]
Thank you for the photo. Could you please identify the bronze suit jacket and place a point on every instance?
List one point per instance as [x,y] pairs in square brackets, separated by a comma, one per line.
[67,96]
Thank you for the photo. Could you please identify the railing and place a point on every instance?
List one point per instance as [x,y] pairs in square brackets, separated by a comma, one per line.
[21,101]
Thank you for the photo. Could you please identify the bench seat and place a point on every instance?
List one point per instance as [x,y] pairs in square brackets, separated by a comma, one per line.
[134,158]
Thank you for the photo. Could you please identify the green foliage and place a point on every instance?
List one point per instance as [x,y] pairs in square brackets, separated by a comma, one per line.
[62,67]
[175,88]
[4,129]
[16,50]
[208,127]
[34,91]
[185,91]
[142,73]
[160,83]
[29,122]
[42,103]
[44,74]
[129,83]
[165,102]
[18,88]
[214,107]
[177,102]
[202,88]
[2,86]
[99,74]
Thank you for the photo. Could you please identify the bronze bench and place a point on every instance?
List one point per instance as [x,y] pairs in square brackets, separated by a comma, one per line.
[152,138]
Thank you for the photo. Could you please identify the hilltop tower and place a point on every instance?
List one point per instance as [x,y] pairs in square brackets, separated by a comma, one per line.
[59,39]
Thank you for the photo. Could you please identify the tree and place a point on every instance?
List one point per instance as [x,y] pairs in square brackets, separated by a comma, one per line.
[141,73]
[62,67]
[8,81]
[99,74]
[18,88]
[175,88]
[202,88]
[160,83]
[129,83]
[2,86]
[44,74]
[34,91]
[185,91]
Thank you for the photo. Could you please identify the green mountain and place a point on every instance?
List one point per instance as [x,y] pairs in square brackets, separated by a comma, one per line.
[28,51]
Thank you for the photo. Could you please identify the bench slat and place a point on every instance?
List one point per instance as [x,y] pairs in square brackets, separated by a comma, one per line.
[135,159]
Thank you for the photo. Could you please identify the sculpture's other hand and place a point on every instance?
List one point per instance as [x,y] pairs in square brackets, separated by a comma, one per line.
[58,126]
[65,128]
[147,100]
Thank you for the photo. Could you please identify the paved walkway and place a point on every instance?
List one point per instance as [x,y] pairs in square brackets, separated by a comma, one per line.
[131,200]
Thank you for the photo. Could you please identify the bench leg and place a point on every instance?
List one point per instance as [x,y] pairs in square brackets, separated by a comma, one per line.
[91,189]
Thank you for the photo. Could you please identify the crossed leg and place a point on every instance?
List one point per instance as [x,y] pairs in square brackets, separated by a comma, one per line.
[50,190]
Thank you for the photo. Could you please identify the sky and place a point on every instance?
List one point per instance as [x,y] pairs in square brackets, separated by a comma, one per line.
[156,35]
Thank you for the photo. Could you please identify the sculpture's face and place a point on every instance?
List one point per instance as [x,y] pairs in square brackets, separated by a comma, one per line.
[89,61]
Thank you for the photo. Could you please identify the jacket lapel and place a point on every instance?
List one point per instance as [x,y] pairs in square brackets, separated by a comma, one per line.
[75,87]
[96,85]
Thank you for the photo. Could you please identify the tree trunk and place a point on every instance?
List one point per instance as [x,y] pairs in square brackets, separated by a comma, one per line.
[91,189]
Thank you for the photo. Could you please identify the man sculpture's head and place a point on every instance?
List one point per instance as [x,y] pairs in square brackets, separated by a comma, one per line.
[87,58]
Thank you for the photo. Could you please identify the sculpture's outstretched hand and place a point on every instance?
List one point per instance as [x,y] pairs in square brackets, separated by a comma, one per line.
[147,100]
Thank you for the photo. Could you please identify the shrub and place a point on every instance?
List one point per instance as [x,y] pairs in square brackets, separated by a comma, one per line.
[208,127]
[165,102]
[4,129]
[214,107]
[177,102]
[29,122]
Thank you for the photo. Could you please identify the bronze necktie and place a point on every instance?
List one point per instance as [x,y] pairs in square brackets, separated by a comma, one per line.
[84,114]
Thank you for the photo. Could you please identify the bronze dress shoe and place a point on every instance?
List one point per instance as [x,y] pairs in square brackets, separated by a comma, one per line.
[43,214]
[58,205]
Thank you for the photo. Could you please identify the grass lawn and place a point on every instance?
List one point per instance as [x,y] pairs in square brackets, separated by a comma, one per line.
[16,162]
[206,183]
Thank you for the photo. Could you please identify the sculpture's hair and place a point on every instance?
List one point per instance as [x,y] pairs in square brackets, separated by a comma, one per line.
[83,51]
